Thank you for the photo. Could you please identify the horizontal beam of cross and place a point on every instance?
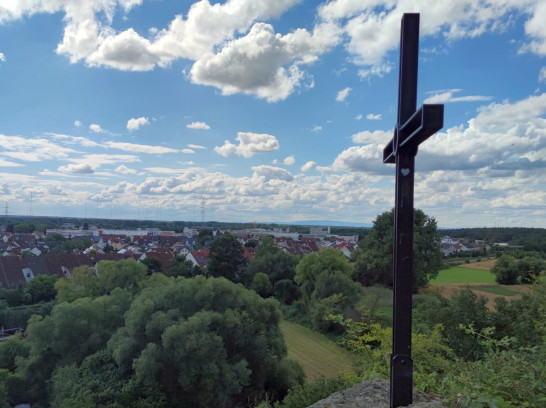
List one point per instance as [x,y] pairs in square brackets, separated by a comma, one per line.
[419,127]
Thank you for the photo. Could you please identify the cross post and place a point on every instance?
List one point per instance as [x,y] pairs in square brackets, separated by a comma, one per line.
[413,127]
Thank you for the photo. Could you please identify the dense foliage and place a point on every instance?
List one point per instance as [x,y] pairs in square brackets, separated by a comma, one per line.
[120,338]
[518,266]
[374,258]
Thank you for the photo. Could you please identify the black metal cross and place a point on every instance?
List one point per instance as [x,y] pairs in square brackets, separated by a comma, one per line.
[413,128]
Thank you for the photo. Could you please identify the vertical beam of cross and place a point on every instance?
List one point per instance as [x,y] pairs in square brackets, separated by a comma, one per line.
[401,362]
[413,128]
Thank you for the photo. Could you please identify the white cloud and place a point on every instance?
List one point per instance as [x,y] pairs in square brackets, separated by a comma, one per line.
[290,160]
[7,163]
[77,123]
[272,173]
[542,75]
[2,57]
[317,128]
[96,128]
[358,117]
[194,146]
[32,149]
[188,151]
[138,148]
[249,145]
[367,137]
[371,116]
[263,63]
[198,125]
[126,51]
[136,123]
[341,95]
[80,168]
[310,165]
[448,97]
[367,158]
[125,170]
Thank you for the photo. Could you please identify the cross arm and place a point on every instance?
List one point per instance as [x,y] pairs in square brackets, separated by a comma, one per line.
[418,128]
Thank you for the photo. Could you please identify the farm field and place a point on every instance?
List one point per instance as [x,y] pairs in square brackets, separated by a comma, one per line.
[317,354]
[460,274]
[476,276]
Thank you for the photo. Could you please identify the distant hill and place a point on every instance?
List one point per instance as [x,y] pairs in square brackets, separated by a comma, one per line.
[330,223]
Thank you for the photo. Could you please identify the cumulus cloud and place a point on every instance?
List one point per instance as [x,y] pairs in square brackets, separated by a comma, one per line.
[136,123]
[249,145]
[371,116]
[80,168]
[194,146]
[272,173]
[310,165]
[96,128]
[77,123]
[125,170]
[367,137]
[449,97]
[198,125]
[367,158]
[341,95]
[290,160]
[262,62]
[358,117]
[2,57]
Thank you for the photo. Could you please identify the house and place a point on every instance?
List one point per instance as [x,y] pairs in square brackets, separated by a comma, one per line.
[199,258]
[248,253]
[164,255]
[345,248]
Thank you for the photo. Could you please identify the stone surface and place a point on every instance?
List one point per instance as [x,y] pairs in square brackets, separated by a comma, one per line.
[374,394]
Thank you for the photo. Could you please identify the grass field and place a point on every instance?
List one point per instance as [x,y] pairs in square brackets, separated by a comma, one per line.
[459,274]
[317,354]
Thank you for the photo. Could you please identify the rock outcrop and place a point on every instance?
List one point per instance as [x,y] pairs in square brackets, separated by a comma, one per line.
[374,394]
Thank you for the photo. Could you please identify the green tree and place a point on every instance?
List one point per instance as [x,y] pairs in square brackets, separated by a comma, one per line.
[42,288]
[206,342]
[180,266]
[267,246]
[24,228]
[374,258]
[72,332]
[530,268]
[277,265]
[328,260]
[226,258]
[152,264]
[506,270]
[261,285]
[86,282]
[464,308]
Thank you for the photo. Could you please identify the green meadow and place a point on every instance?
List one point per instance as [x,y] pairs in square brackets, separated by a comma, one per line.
[317,354]
[463,275]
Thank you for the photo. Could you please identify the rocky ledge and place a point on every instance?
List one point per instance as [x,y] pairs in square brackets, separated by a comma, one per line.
[374,394]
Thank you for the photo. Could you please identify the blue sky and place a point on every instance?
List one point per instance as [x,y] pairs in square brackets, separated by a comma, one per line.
[270,110]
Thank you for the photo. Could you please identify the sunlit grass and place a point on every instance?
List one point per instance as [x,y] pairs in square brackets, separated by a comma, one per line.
[463,275]
[317,354]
